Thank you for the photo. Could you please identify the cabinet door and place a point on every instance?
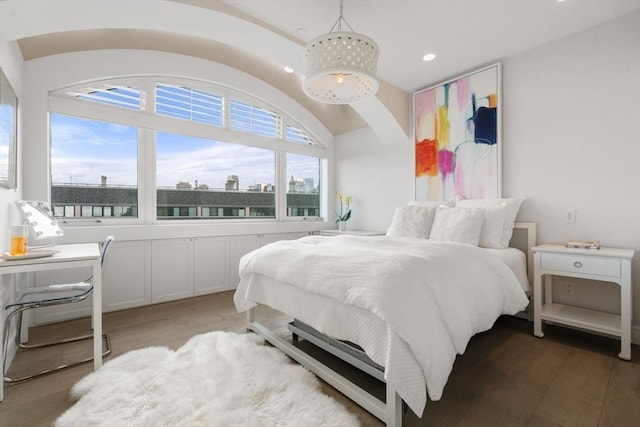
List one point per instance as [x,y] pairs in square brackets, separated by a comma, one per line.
[294,236]
[265,239]
[127,276]
[126,282]
[172,269]
[238,247]
[211,265]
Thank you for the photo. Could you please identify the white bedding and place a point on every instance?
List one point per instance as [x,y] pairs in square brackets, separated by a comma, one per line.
[516,260]
[411,304]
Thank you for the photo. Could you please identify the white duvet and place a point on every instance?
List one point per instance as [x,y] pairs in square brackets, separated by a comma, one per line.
[415,303]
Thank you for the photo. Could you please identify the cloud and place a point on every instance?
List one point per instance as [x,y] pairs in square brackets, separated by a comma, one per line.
[82,151]
[212,163]
[86,170]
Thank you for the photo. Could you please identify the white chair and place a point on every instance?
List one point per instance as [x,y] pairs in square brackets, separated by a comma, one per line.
[45,296]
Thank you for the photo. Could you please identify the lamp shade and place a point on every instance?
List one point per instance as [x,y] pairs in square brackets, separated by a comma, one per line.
[340,68]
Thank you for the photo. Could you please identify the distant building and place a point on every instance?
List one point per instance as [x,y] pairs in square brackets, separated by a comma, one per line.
[233,183]
[77,201]
[263,188]
[183,185]
[296,186]
[308,185]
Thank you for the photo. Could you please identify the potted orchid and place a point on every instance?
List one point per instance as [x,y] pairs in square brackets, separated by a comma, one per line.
[345,213]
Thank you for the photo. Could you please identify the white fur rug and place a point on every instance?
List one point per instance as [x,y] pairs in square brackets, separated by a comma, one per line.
[215,379]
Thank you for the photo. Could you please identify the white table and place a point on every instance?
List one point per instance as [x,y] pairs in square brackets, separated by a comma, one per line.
[69,256]
[604,264]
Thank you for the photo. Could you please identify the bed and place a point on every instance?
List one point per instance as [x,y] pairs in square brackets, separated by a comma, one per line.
[370,291]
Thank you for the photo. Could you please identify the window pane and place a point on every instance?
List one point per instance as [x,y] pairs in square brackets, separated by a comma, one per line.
[252,119]
[303,192]
[189,104]
[7,133]
[117,96]
[94,165]
[298,135]
[202,178]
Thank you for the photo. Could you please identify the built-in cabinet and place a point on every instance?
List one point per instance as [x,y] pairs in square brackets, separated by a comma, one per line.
[171,269]
[127,275]
[211,265]
[139,273]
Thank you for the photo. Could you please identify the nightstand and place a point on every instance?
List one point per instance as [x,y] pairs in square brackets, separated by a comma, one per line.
[351,232]
[604,264]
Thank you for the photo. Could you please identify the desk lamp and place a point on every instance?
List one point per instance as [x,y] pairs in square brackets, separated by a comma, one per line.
[42,223]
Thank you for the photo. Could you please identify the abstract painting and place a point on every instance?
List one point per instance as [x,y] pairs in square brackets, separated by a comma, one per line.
[457,137]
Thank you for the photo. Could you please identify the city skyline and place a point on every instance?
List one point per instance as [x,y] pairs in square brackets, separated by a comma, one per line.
[82,151]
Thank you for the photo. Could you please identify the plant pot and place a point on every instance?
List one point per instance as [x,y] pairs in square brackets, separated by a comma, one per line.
[342,225]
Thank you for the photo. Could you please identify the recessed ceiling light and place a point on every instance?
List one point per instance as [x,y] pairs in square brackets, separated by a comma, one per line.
[429,57]
[288,70]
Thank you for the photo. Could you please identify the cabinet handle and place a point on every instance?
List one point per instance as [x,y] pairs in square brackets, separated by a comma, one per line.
[577,264]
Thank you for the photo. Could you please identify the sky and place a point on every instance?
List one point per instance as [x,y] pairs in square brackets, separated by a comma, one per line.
[5,136]
[84,150]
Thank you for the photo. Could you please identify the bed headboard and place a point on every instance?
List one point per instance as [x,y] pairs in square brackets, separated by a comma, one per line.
[524,238]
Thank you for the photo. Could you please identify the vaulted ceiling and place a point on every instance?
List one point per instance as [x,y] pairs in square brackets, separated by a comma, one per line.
[260,37]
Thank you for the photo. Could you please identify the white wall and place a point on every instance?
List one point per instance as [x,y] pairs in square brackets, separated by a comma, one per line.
[570,141]
[12,66]
[376,174]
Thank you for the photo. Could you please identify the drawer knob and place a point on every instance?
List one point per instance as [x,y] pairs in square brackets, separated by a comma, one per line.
[577,264]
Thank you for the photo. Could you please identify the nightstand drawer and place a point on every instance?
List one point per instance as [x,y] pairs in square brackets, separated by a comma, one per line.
[609,267]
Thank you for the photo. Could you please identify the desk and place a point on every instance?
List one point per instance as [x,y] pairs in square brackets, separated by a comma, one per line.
[69,256]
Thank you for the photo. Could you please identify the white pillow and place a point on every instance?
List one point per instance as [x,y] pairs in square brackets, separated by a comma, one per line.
[461,225]
[511,206]
[412,221]
[433,203]
[492,227]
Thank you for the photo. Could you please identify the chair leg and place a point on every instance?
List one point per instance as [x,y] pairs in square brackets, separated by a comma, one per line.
[7,327]
[105,353]
[5,337]
[19,329]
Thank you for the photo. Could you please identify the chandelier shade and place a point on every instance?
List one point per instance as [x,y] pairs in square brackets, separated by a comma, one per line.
[340,66]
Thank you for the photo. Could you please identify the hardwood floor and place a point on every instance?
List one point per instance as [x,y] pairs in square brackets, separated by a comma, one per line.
[506,377]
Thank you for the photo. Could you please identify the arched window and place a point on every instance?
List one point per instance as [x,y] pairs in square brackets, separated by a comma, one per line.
[153,149]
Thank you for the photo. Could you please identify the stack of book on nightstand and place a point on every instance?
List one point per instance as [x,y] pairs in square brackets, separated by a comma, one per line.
[584,244]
